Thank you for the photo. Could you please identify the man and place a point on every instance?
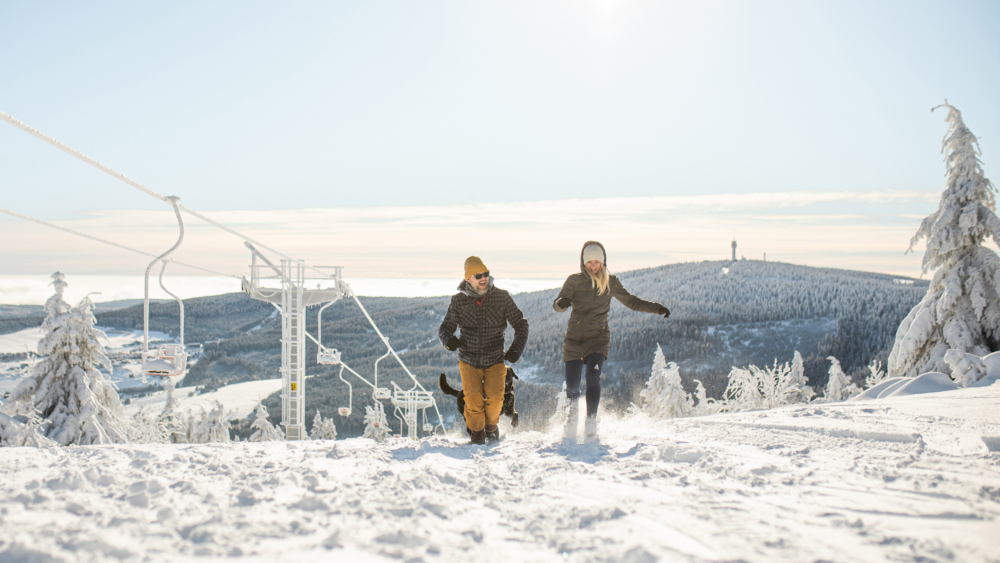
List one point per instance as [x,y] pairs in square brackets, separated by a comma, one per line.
[482,311]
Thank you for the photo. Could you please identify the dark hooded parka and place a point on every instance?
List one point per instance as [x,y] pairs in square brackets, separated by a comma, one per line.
[588,332]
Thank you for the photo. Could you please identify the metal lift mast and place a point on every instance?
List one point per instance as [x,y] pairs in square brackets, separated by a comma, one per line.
[285,288]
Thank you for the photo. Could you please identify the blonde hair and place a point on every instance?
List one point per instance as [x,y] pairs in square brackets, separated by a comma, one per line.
[601,280]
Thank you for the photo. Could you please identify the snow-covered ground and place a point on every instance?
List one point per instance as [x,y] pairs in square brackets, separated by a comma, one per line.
[906,478]
[238,398]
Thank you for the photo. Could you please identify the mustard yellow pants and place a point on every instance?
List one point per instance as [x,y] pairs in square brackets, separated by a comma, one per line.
[479,412]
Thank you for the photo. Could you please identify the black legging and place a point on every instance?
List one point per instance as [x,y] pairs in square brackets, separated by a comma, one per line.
[574,369]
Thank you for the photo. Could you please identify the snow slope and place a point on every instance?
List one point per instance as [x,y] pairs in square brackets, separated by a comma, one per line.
[238,398]
[913,478]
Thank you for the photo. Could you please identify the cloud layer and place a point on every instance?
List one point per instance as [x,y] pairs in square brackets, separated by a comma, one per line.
[852,230]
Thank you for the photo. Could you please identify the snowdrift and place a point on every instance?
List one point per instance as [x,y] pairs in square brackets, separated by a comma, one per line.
[908,477]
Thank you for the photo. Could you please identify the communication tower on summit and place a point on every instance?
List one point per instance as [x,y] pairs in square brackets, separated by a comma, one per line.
[734,246]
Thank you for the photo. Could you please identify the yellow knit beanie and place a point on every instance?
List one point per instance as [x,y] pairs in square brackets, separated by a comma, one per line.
[473,265]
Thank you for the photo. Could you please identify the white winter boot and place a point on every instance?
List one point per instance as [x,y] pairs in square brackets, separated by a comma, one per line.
[572,420]
[590,429]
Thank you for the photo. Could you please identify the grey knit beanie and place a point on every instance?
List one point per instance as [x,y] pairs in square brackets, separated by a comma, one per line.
[593,252]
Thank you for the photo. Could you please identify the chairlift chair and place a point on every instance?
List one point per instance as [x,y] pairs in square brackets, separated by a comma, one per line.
[170,360]
[346,411]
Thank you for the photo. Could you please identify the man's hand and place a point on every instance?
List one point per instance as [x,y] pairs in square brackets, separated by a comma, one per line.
[511,357]
[563,303]
[454,343]
[663,311]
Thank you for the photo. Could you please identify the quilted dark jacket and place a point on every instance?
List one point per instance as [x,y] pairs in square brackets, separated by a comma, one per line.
[587,331]
[483,320]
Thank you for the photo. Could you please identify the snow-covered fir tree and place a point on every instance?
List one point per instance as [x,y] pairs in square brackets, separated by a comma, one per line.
[799,389]
[376,425]
[961,309]
[265,431]
[838,387]
[323,428]
[79,403]
[213,427]
[664,397]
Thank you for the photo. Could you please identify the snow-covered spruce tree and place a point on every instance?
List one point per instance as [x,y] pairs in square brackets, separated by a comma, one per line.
[146,428]
[838,387]
[799,389]
[961,310]
[376,426]
[323,428]
[213,427]
[265,431]
[78,402]
[664,397]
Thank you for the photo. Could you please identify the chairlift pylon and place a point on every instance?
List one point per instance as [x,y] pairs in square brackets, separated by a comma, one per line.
[169,360]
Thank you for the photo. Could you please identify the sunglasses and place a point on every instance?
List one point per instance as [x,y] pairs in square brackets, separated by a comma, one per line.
[482,275]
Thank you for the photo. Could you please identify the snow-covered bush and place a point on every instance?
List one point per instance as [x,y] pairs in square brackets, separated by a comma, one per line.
[173,423]
[146,428]
[705,405]
[265,431]
[875,374]
[767,388]
[23,431]
[664,397]
[213,427]
[838,387]
[323,428]
[376,425]
[961,309]
[966,369]
[79,403]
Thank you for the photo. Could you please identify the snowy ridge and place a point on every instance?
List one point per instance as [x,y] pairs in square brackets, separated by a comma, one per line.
[801,483]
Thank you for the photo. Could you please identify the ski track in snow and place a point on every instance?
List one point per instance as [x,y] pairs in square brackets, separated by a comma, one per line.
[903,479]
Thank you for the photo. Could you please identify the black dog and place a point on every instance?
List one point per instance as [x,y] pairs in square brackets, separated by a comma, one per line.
[508,396]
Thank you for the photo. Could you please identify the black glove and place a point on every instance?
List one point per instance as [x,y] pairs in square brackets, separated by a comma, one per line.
[454,343]
[563,303]
[663,311]
[511,357]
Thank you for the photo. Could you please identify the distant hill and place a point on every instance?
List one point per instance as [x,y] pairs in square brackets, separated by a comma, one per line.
[724,314]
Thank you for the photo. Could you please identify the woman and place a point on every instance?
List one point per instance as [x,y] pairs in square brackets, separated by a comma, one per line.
[588,339]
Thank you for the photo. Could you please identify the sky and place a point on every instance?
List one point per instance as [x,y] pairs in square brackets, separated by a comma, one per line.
[396,138]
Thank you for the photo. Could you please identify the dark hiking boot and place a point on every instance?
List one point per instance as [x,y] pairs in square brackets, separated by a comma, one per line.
[492,435]
[478,437]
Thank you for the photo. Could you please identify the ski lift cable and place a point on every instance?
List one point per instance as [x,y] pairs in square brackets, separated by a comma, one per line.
[108,170]
[110,243]
[393,351]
